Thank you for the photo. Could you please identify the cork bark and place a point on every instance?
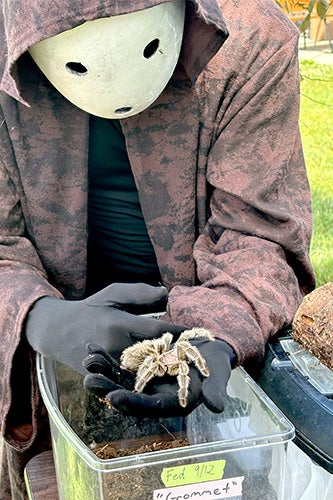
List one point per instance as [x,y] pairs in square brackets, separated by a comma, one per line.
[313,324]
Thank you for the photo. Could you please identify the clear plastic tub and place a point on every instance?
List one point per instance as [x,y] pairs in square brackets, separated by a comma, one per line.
[238,454]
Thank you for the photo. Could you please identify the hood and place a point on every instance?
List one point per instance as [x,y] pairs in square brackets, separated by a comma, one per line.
[26,22]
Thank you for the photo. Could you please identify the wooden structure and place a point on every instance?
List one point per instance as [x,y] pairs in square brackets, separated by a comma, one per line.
[40,478]
[320,29]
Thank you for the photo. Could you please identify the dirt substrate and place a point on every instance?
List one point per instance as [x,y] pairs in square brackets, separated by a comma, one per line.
[107,451]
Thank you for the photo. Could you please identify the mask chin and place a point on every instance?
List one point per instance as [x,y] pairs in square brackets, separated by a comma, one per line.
[118,66]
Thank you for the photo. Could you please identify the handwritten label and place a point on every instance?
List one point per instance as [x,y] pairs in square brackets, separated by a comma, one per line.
[193,473]
[212,490]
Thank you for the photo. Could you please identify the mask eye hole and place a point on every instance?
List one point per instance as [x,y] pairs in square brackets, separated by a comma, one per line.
[76,68]
[151,48]
[125,109]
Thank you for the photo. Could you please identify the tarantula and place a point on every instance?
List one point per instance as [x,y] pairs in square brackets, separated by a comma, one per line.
[151,358]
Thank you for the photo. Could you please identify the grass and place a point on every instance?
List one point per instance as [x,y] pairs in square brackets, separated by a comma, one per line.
[316,122]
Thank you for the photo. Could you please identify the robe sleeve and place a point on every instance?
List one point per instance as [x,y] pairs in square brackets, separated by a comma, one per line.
[252,258]
[22,281]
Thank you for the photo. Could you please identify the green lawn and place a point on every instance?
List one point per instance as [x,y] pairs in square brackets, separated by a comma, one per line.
[316,123]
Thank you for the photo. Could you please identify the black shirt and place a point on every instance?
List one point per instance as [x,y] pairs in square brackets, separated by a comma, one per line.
[119,248]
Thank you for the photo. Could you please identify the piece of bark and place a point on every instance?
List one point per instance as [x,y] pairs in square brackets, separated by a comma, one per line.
[312,326]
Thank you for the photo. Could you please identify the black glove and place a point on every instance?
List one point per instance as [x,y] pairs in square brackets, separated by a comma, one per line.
[61,329]
[160,396]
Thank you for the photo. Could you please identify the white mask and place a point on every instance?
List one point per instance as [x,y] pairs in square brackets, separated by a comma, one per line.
[115,67]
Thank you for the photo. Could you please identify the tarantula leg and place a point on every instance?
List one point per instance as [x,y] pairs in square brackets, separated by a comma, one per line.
[183,380]
[146,371]
[196,333]
[192,354]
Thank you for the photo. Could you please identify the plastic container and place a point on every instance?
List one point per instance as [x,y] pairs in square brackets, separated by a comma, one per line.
[303,389]
[238,454]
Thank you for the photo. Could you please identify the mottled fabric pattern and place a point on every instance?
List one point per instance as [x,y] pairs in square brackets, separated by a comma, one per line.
[218,164]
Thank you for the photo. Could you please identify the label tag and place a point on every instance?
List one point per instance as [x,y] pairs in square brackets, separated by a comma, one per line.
[193,473]
[214,490]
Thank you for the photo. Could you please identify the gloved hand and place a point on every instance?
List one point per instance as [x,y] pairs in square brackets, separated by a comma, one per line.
[61,329]
[160,396]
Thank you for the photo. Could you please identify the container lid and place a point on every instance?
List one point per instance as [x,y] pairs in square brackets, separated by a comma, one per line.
[318,375]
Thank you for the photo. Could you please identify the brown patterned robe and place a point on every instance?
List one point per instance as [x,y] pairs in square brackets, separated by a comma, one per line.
[218,164]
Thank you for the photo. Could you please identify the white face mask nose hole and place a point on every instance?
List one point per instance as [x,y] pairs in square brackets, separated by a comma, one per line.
[151,48]
[76,68]
[122,111]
